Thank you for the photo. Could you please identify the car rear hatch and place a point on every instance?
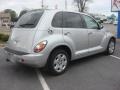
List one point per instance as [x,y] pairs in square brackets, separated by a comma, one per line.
[21,39]
[23,33]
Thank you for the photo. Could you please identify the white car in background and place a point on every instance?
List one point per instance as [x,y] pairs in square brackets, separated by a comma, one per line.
[115,22]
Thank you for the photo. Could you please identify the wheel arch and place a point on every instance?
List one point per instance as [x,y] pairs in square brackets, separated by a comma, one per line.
[113,39]
[107,38]
[64,47]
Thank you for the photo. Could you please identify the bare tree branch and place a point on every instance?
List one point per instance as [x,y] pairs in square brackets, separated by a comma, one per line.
[81,4]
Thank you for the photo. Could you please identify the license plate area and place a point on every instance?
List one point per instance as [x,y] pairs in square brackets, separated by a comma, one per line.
[10,54]
[11,57]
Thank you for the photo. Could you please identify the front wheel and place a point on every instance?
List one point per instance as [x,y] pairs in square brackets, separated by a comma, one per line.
[58,62]
[111,47]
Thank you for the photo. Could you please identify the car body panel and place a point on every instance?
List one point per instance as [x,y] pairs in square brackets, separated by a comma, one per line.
[18,38]
[95,40]
[75,38]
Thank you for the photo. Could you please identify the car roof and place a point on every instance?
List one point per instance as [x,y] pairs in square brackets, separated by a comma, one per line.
[57,10]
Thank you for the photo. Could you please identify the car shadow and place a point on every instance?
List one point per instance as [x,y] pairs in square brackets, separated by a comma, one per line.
[76,63]
[15,69]
[21,71]
[85,60]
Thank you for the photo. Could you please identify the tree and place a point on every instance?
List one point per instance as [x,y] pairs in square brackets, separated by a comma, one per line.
[12,14]
[112,17]
[23,12]
[81,4]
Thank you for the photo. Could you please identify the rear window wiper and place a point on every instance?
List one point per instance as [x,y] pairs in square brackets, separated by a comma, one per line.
[22,25]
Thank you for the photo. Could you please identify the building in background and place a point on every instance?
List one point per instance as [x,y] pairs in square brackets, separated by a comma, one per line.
[5,20]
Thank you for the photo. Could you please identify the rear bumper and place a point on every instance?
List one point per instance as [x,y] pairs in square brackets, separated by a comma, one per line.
[34,60]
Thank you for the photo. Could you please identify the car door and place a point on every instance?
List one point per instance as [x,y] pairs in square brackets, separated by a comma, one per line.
[74,34]
[95,34]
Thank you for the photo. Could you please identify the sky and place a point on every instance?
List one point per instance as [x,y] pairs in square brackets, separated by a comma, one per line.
[95,6]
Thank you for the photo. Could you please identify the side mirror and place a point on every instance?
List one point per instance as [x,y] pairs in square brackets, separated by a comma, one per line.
[101,21]
[101,26]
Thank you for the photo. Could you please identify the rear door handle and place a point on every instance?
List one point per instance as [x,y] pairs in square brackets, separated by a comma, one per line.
[90,33]
[67,33]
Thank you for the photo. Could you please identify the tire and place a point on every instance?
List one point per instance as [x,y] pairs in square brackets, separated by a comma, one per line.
[111,47]
[58,62]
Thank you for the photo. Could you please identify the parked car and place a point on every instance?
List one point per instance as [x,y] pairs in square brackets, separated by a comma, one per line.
[52,38]
[115,22]
[108,22]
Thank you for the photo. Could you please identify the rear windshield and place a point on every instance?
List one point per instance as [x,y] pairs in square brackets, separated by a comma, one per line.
[29,20]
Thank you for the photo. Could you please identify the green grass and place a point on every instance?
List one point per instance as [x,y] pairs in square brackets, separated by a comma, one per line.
[3,38]
[5,32]
[4,35]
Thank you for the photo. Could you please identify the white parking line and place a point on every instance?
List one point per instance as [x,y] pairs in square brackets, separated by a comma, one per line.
[42,80]
[115,56]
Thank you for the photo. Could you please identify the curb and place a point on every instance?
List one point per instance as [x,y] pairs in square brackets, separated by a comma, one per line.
[2,45]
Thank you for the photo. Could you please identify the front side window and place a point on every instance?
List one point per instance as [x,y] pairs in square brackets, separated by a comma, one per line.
[90,22]
[72,20]
[29,20]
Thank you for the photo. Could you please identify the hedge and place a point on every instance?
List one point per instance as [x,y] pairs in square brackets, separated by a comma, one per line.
[4,37]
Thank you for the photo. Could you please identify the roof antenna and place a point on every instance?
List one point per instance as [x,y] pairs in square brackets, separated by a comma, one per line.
[42,4]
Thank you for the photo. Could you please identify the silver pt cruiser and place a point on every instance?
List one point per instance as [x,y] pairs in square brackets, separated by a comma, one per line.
[52,38]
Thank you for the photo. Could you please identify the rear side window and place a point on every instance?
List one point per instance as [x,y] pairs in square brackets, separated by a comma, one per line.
[72,20]
[29,20]
[57,20]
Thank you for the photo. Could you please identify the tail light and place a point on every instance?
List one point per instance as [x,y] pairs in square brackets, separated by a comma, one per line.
[40,46]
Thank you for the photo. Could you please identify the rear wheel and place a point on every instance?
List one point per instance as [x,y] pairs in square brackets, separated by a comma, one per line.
[111,47]
[58,62]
